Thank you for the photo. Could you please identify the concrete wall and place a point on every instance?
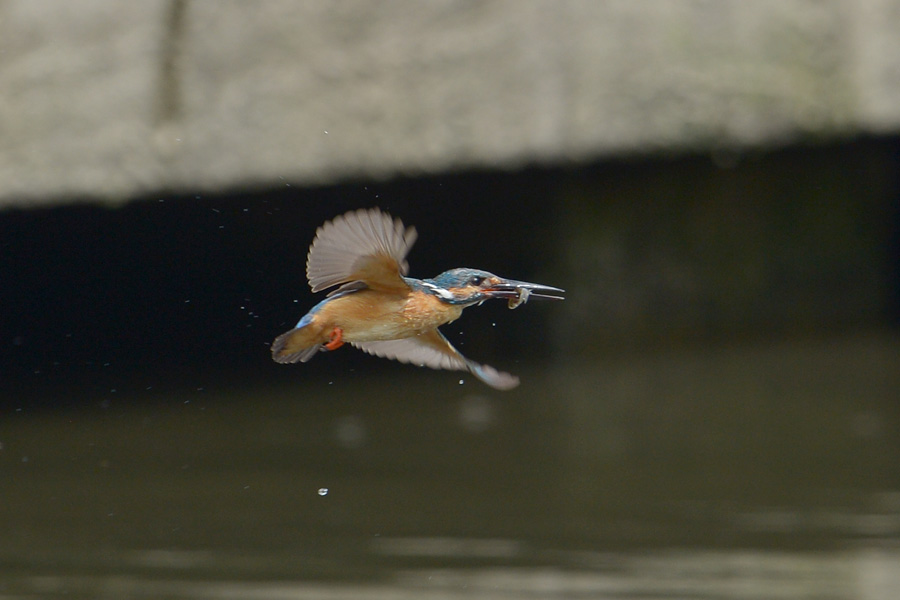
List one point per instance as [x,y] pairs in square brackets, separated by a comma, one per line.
[107,100]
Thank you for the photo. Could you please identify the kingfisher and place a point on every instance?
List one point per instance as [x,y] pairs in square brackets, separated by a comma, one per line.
[379,310]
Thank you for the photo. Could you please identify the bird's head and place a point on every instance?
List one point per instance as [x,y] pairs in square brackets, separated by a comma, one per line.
[472,286]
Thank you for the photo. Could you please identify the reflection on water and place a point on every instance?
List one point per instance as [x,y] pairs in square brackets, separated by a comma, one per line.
[864,574]
[767,471]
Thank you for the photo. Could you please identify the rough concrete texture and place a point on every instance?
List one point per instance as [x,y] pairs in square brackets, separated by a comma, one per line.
[107,100]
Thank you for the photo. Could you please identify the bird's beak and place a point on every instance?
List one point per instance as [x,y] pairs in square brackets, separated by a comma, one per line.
[522,290]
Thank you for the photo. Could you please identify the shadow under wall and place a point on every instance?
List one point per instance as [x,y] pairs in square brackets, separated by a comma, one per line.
[188,291]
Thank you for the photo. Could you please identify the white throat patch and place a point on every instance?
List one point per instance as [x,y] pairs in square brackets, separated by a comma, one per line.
[439,291]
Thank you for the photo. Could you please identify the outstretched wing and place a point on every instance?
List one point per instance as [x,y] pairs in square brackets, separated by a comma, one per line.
[431,349]
[365,246]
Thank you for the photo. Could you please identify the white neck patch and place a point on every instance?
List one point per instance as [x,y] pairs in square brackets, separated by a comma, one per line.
[439,291]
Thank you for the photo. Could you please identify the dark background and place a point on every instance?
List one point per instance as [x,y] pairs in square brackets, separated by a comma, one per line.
[167,290]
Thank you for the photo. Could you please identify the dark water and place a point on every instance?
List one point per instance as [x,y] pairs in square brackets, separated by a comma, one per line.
[765,470]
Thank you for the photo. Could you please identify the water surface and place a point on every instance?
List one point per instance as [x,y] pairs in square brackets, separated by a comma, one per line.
[759,470]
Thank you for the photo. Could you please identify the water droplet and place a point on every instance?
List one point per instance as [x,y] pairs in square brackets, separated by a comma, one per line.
[323,491]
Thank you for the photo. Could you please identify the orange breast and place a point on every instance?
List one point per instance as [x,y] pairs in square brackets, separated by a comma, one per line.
[425,312]
[369,315]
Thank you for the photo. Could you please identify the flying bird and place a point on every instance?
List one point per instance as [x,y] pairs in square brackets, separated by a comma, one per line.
[380,310]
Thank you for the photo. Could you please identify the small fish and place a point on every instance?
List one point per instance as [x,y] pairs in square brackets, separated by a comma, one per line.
[521,297]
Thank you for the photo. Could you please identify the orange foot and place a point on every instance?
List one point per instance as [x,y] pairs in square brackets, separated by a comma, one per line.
[336,339]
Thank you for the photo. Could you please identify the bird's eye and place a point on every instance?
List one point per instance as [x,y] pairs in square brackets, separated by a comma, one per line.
[476,280]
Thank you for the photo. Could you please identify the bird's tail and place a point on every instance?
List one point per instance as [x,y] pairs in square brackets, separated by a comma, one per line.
[297,345]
